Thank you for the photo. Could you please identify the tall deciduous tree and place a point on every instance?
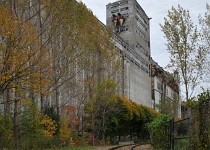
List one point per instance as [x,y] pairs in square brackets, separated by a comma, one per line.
[186,56]
[100,106]
[205,37]
[166,106]
[21,59]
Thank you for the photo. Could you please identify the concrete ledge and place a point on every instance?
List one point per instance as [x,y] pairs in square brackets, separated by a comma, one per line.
[126,143]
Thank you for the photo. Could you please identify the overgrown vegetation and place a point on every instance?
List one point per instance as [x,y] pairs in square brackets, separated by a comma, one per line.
[200,128]
[38,131]
[57,66]
[159,131]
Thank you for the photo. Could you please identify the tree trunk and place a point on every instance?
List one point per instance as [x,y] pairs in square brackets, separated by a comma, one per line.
[93,129]
[15,122]
[119,137]
[42,103]
[41,41]
[57,99]
[103,127]
[8,102]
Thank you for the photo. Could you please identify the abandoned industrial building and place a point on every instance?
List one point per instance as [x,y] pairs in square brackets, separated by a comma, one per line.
[142,80]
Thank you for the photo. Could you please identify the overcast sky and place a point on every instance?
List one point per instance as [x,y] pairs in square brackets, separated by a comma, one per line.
[157,10]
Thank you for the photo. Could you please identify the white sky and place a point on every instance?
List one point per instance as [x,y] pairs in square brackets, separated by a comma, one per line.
[157,10]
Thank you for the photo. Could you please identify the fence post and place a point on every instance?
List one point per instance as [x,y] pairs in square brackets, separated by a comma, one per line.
[172,135]
[190,127]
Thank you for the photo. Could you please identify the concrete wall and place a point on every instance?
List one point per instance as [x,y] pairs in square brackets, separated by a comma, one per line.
[136,62]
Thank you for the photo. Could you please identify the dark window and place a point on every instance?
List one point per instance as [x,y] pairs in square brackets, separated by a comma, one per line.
[124,28]
[114,4]
[125,8]
[129,58]
[132,60]
[115,11]
[123,2]
[125,15]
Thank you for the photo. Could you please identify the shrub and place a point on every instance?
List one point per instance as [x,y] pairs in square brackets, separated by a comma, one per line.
[158,130]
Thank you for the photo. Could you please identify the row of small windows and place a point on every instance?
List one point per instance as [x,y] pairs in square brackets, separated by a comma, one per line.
[142,16]
[141,22]
[159,86]
[141,49]
[141,13]
[117,10]
[119,3]
[144,69]
[141,35]
[142,60]
[121,29]
[125,8]
[125,14]
[133,61]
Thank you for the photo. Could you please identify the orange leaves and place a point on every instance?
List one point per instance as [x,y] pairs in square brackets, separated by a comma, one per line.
[70,112]
[134,110]
[7,27]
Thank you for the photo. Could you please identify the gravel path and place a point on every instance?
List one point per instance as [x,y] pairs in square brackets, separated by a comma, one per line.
[142,147]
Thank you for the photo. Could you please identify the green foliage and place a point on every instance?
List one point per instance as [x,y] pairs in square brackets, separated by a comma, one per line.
[101,106]
[31,130]
[78,148]
[50,111]
[64,132]
[166,106]
[158,130]
[182,144]
[205,38]
[6,131]
[108,140]
[30,119]
[183,45]
[130,119]
[200,128]
[65,21]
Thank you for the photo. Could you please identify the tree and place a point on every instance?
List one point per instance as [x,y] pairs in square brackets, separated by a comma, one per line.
[205,38]
[158,130]
[186,56]
[130,119]
[65,131]
[20,61]
[6,131]
[100,107]
[166,106]
[200,106]
[30,130]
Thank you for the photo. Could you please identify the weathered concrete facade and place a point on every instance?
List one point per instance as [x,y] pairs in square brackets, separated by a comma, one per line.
[165,85]
[135,48]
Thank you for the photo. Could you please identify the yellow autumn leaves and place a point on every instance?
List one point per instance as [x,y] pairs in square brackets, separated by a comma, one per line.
[21,55]
[45,124]
[50,126]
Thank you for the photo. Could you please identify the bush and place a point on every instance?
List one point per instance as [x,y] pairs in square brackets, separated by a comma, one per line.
[158,130]
[6,131]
